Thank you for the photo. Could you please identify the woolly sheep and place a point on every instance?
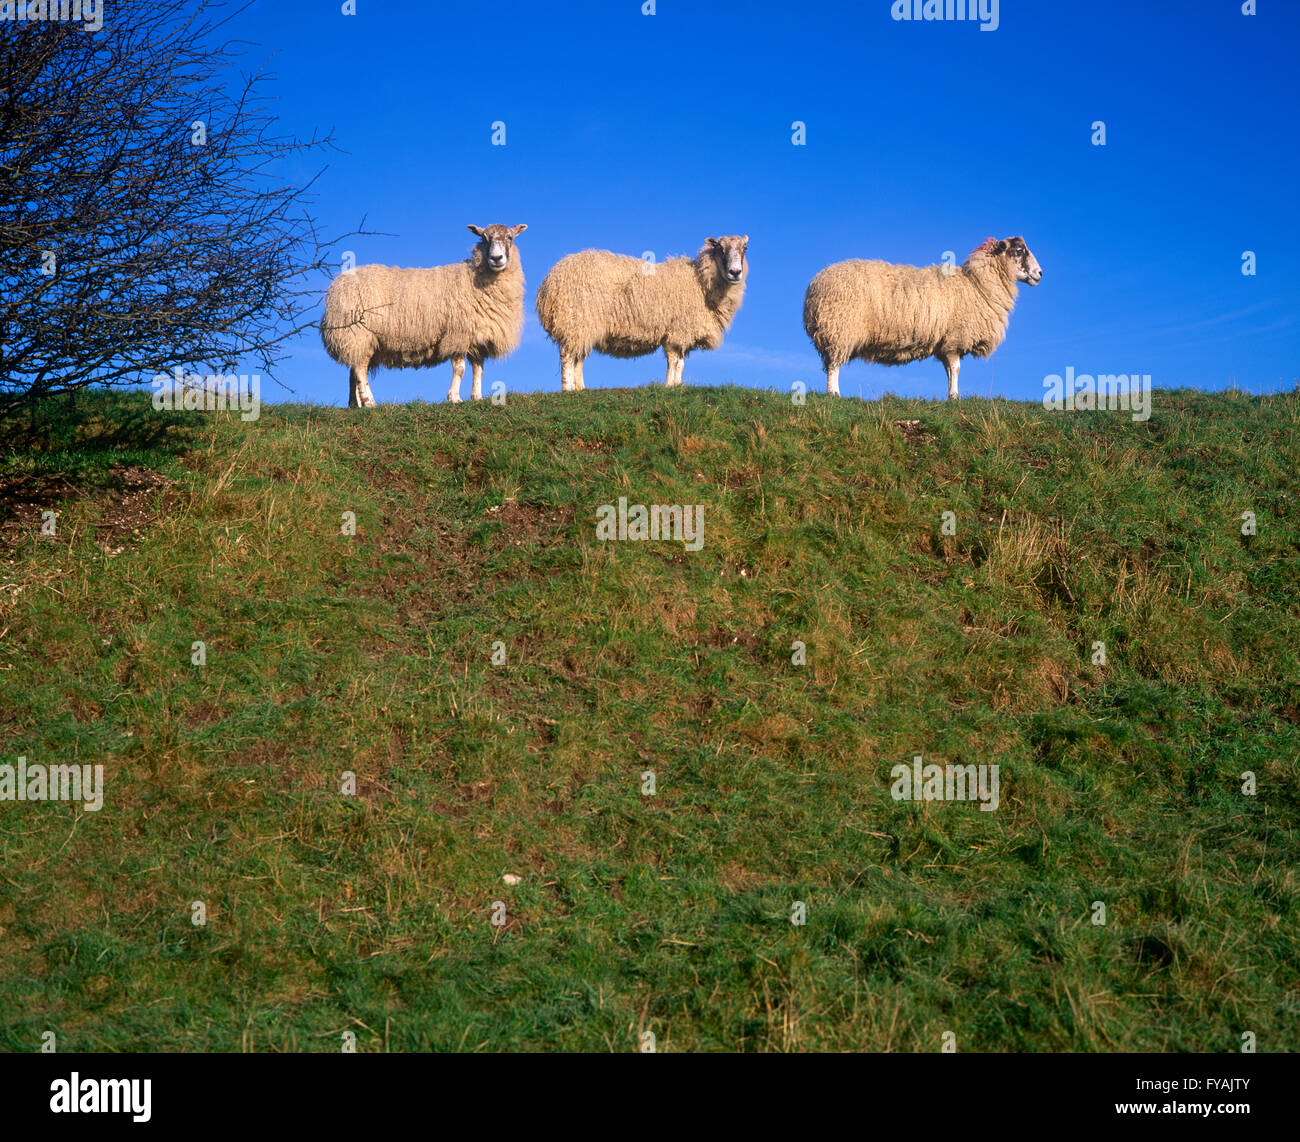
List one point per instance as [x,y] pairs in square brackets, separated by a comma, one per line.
[626,307]
[877,311]
[404,318]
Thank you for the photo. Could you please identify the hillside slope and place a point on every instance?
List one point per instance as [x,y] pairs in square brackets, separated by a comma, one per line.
[668,913]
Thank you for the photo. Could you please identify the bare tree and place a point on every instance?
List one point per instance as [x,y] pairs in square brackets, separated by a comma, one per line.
[145,220]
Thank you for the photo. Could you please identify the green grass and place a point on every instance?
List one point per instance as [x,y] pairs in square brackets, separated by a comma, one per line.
[667,913]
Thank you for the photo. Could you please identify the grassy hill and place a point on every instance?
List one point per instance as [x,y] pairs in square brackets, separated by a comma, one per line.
[668,913]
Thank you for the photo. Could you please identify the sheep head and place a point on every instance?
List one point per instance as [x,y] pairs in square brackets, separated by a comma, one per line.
[729,254]
[1022,264]
[496,246]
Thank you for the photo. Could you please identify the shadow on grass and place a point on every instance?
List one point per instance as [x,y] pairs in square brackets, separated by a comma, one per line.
[61,447]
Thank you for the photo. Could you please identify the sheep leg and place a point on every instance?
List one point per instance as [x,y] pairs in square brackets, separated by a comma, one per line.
[676,363]
[365,398]
[832,380]
[952,362]
[354,392]
[457,371]
[476,392]
[577,376]
[566,374]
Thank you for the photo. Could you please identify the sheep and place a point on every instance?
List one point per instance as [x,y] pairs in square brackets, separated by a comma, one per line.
[877,311]
[626,307]
[404,318]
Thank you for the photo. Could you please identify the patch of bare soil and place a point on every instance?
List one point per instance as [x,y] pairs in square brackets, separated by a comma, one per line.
[122,510]
[913,432]
[520,522]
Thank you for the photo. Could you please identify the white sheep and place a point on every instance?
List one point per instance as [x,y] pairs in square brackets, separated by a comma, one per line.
[626,307]
[877,311]
[404,318]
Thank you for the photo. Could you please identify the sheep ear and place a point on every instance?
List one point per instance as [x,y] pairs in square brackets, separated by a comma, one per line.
[711,241]
[515,231]
[744,240]
[475,230]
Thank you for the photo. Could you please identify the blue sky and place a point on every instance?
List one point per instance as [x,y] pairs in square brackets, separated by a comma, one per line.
[649,133]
